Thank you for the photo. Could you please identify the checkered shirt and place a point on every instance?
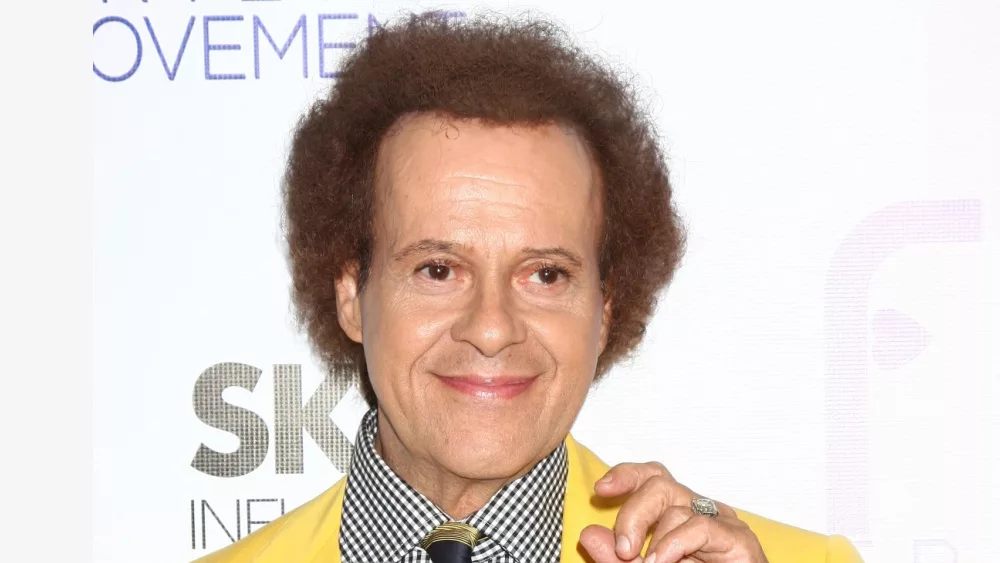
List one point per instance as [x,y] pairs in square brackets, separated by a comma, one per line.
[384,518]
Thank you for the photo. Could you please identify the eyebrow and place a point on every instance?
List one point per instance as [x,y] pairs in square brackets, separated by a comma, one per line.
[568,255]
[425,245]
[438,245]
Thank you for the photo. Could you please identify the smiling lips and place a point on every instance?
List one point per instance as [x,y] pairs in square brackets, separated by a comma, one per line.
[501,387]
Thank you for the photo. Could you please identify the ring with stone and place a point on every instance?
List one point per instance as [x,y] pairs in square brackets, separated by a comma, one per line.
[705,507]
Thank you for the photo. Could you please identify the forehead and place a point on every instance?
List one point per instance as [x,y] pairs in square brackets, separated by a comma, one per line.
[445,177]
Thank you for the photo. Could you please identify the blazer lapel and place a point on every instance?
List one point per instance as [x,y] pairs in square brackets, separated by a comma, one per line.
[583,507]
[314,535]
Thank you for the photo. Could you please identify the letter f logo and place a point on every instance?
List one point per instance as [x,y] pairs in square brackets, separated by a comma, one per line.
[846,321]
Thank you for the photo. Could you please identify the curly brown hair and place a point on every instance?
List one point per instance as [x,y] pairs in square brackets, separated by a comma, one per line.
[500,71]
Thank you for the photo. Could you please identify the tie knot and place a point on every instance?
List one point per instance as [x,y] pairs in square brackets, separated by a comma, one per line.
[452,531]
[451,542]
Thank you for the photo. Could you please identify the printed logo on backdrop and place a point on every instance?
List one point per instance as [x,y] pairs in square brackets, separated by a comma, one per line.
[895,340]
[294,418]
[206,46]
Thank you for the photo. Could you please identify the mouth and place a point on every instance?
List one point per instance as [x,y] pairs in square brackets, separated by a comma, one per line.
[489,388]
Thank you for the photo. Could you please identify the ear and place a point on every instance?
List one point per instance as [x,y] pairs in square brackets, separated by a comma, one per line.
[605,321]
[349,302]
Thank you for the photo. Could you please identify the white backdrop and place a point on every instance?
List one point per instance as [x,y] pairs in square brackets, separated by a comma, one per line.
[837,165]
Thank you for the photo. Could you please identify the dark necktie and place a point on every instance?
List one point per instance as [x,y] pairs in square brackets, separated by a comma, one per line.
[451,542]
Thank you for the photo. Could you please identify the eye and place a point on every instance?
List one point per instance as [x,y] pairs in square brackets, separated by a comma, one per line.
[438,271]
[548,275]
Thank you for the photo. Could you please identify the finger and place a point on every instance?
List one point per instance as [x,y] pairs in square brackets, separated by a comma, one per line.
[600,545]
[723,508]
[671,518]
[643,509]
[627,477]
[700,535]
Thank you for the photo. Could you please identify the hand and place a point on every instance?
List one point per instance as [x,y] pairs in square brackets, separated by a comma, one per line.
[679,535]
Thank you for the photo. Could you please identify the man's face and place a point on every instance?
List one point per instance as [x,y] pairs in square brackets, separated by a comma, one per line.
[483,316]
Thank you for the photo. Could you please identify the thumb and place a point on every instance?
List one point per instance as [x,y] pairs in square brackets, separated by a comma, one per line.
[628,477]
[600,545]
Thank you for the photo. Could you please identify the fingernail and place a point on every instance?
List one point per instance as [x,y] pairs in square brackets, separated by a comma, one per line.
[650,558]
[605,480]
[622,546]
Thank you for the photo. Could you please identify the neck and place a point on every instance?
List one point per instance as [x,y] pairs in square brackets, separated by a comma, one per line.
[457,496]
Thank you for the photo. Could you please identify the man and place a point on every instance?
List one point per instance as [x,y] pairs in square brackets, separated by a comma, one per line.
[479,219]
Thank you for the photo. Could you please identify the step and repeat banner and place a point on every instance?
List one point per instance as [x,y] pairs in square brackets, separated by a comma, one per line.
[826,357]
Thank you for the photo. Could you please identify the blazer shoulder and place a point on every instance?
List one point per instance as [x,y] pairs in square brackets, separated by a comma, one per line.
[248,548]
[841,550]
[783,543]
[322,512]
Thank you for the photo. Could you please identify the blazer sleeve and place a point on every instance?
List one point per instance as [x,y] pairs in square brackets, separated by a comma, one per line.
[840,550]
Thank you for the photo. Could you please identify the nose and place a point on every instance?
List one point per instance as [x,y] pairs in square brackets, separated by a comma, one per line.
[490,321]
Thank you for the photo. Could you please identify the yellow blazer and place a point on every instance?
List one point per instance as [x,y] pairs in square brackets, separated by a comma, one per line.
[311,532]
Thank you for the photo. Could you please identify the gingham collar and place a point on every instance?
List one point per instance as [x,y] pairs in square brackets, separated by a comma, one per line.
[384,518]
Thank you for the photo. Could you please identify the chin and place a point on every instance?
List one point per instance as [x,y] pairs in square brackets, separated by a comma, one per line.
[490,457]
[490,468]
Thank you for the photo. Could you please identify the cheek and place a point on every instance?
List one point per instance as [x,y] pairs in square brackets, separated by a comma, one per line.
[572,339]
[398,331]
